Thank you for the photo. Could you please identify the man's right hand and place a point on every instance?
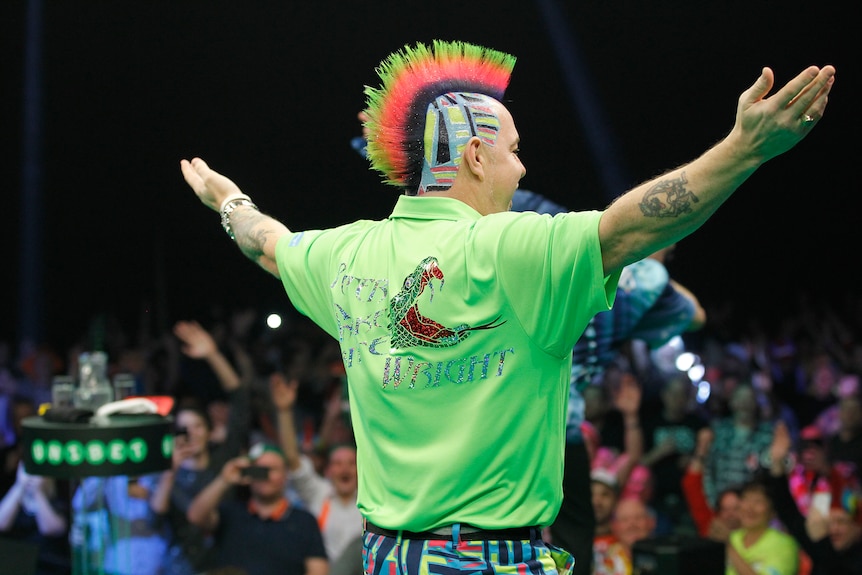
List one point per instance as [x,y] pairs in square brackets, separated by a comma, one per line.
[231,472]
[210,187]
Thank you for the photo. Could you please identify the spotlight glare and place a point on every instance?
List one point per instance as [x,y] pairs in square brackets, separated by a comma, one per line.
[685,360]
[703,391]
[696,372]
[273,321]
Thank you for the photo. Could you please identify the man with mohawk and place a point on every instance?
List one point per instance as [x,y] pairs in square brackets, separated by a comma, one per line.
[456,317]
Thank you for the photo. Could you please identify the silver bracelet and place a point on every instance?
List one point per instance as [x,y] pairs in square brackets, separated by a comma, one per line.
[231,198]
[228,208]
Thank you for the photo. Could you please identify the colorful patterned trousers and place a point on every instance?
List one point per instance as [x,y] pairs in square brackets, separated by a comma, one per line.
[382,555]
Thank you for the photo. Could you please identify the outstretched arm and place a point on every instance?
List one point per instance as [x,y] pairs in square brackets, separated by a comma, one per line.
[255,233]
[668,208]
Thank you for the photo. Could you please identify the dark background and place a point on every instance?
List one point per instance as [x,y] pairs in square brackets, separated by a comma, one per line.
[267,92]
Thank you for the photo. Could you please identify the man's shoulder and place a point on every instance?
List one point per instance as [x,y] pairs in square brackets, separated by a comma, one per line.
[778,538]
[300,516]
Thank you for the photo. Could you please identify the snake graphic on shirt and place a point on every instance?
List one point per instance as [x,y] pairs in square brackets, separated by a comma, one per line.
[409,327]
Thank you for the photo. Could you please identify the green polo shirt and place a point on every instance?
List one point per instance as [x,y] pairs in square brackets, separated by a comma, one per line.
[774,553]
[456,332]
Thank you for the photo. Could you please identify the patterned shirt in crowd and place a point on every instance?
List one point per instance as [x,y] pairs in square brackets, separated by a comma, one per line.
[610,557]
[735,455]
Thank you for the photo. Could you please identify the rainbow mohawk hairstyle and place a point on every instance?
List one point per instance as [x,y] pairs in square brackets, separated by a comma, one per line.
[414,78]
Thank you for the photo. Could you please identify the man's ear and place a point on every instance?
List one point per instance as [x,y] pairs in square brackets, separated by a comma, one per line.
[474,158]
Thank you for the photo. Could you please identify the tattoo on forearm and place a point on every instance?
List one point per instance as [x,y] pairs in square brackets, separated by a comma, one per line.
[249,237]
[668,199]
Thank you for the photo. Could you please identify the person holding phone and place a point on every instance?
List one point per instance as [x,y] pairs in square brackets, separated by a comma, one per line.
[285,539]
[197,458]
[33,512]
[193,467]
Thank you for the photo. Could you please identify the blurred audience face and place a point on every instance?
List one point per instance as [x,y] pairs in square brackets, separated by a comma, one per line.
[272,488]
[604,501]
[198,430]
[743,403]
[728,509]
[850,414]
[21,409]
[219,412]
[632,521]
[595,403]
[755,508]
[843,530]
[812,455]
[341,471]
[824,378]
[675,397]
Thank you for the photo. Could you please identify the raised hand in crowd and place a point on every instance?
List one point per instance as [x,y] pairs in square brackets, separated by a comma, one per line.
[626,398]
[780,448]
[705,437]
[283,392]
[198,343]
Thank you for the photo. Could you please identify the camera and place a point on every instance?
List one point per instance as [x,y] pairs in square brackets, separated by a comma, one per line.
[181,431]
[255,472]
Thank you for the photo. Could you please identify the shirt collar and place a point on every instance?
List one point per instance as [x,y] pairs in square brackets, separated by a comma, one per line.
[431,208]
[276,515]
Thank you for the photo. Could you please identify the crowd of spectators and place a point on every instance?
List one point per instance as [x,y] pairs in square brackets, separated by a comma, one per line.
[704,466]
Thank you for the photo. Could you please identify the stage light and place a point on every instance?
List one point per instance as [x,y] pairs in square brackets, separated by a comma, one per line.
[273,321]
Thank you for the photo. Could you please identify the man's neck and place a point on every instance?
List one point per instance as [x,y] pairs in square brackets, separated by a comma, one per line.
[603,529]
[346,497]
[197,462]
[744,420]
[266,508]
[754,534]
[474,196]
[673,416]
